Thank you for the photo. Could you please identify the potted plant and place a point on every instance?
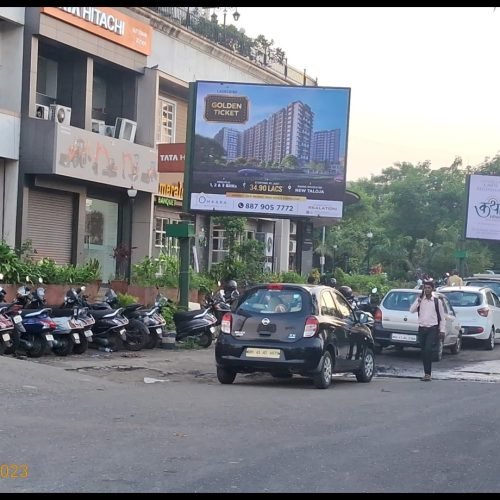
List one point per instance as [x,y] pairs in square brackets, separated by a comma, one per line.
[121,254]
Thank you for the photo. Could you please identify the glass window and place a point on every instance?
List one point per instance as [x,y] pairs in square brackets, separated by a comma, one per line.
[220,247]
[343,307]
[327,304]
[46,81]
[169,246]
[165,131]
[267,301]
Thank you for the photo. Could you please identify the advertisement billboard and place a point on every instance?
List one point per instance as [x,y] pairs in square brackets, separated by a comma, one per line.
[267,150]
[482,220]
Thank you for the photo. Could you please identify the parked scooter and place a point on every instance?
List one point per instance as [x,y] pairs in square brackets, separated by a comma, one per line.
[37,323]
[150,318]
[12,310]
[68,327]
[219,303]
[109,330]
[199,325]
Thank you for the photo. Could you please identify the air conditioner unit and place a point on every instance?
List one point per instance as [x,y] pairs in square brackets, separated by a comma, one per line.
[60,114]
[98,126]
[125,129]
[292,246]
[269,245]
[293,228]
[42,112]
[109,130]
[268,267]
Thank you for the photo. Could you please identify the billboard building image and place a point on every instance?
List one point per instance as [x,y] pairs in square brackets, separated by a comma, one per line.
[268,150]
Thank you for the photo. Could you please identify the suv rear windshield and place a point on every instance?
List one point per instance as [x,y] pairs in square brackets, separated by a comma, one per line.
[463,299]
[400,301]
[267,301]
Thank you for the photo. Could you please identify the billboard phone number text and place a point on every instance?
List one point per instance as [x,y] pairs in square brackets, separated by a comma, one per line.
[267,207]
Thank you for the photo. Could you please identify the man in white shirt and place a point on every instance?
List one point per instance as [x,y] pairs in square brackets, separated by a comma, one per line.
[431,324]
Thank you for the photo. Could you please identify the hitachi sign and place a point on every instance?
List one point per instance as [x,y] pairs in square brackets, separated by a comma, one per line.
[97,17]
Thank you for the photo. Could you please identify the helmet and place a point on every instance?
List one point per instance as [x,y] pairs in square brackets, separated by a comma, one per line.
[346,291]
[332,282]
[231,285]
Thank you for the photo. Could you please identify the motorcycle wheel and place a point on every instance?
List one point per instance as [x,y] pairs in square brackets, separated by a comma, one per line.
[3,347]
[14,336]
[205,340]
[137,335]
[66,348]
[152,341]
[39,346]
[82,346]
[116,342]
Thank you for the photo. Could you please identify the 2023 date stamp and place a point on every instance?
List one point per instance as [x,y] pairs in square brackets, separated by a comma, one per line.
[14,471]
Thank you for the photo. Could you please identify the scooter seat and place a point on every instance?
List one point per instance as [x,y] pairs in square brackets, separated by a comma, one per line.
[61,313]
[181,316]
[133,307]
[28,313]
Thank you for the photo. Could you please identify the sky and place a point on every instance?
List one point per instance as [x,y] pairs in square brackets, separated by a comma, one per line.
[425,81]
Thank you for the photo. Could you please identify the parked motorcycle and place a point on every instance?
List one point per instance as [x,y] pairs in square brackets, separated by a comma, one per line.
[109,330]
[150,318]
[9,340]
[219,304]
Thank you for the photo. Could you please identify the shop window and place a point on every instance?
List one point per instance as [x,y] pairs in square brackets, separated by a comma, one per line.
[165,132]
[99,98]
[169,246]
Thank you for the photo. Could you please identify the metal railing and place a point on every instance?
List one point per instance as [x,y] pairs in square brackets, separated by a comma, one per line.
[229,37]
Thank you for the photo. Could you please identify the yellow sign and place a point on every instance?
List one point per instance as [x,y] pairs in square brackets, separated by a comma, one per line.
[175,191]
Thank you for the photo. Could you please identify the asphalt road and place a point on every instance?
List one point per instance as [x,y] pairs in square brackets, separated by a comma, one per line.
[158,421]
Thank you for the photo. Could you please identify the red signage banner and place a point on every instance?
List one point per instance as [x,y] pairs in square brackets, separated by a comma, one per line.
[171,157]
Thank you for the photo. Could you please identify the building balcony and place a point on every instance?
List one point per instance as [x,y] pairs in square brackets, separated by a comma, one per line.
[48,147]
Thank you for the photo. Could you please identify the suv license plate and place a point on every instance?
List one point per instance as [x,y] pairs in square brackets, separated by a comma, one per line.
[402,336]
[262,353]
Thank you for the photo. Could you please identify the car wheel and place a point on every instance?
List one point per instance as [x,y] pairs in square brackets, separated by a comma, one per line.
[367,370]
[437,355]
[324,378]
[489,343]
[225,376]
[457,346]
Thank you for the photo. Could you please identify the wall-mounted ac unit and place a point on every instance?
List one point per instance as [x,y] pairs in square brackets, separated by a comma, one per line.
[60,114]
[293,228]
[42,112]
[269,245]
[292,246]
[98,126]
[268,267]
[109,130]
[125,129]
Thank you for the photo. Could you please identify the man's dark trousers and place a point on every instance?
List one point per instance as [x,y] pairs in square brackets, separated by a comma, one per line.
[428,340]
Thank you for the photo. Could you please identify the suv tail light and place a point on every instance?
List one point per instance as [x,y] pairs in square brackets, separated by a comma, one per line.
[225,324]
[311,327]
[483,311]
[377,315]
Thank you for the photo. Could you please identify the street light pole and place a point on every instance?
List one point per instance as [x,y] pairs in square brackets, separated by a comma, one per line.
[333,260]
[132,193]
[322,257]
[369,235]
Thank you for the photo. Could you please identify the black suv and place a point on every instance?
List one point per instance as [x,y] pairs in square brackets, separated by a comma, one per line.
[286,329]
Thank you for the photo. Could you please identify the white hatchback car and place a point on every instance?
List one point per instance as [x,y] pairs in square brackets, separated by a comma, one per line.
[395,325]
[478,309]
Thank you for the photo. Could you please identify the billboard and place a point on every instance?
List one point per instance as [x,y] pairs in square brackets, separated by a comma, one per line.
[267,150]
[482,220]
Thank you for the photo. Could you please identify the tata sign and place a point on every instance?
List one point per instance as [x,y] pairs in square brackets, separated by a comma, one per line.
[267,150]
[171,157]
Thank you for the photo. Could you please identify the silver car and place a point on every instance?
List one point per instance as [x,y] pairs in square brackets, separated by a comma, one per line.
[395,325]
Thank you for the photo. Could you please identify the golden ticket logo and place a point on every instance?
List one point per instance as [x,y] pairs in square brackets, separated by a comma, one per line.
[14,471]
[226,108]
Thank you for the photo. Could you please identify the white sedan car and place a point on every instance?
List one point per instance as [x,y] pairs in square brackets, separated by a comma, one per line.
[395,325]
[478,309]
